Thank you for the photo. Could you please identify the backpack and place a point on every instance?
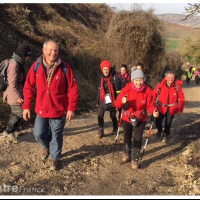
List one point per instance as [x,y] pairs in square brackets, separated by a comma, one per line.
[159,91]
[62,66]
[3,74]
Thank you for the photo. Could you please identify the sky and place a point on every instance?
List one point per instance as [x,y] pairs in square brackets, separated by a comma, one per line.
[160,8]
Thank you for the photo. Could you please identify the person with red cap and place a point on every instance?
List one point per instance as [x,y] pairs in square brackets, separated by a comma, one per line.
[14,91]
[106,95]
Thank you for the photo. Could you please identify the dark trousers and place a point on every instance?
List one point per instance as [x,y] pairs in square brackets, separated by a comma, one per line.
[168,122]
[101,113]
[133,134]
[14,119]
[188,80]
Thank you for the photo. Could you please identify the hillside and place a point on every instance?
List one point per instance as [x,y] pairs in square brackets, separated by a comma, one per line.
[192,21]
[175,33]
[79,29]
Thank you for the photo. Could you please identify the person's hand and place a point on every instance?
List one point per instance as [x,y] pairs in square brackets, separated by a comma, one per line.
[26,114]
[97,105]
[155,113]
[124,100]
[70,115]
[19,101]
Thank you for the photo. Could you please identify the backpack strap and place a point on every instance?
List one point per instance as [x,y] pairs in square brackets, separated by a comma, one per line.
[64,68]
[36,67]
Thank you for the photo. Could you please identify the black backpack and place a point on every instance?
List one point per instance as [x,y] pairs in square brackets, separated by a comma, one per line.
[3,74]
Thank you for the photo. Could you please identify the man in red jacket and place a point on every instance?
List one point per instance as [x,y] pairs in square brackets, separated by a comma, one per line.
[56,99]
[170,100]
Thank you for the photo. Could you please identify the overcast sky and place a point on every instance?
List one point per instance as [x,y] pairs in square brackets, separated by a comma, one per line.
[160,8]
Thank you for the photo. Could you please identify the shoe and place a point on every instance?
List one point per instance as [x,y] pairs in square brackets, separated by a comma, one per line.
[45,154]
[165,138]
[54,165]
[115,131]
[127,156]
[126,159]
[158,134]
[135,158]
[4,135]
[134,164]
[11,138]
[101,133]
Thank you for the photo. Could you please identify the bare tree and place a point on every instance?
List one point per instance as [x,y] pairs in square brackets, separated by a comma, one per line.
[192,9]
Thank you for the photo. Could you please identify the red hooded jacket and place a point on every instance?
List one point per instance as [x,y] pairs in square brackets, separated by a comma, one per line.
[138,102]
[53,101]
[169,95]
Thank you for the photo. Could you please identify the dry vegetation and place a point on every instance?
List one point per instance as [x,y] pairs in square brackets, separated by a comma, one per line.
[137,36]
[86,34]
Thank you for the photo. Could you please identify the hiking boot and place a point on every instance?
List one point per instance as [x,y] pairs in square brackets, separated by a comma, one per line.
[126,159]
[54,165]
[101,133]
[11,138]
[134,164]
[127,156]
[45,154]
[3,135]
[165,138]
[158,134]
[135,158]
[115,129]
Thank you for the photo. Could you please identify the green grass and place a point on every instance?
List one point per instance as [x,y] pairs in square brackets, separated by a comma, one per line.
[172,45]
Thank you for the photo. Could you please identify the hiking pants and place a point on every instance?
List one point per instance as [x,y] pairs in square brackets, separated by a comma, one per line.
[188,80]
[49,134]
[133,134]
[168,122]
[14,119]
[101,113]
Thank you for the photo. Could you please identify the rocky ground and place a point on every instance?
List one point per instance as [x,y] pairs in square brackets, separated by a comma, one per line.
[87,168]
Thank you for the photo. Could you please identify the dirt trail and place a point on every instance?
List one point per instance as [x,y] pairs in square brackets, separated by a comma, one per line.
[171,169]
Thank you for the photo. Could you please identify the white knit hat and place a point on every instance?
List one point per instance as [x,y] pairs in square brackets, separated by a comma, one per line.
[135,73]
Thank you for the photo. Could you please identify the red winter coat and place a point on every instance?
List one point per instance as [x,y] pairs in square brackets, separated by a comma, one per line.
[173,94]
[138,102]
[53,101]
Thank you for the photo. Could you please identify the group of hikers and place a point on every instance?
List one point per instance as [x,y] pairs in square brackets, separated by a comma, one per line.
[192,71]
[51,82]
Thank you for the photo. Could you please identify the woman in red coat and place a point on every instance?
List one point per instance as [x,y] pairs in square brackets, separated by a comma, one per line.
[170,101]
[139,99]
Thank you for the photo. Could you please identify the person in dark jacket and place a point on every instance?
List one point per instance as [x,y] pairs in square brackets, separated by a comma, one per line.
[56,101]
[124,76]
[124,79]
[14,92]
[107,92]
[140,66]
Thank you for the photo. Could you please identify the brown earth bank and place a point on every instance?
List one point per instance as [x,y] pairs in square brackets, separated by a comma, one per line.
[166,169]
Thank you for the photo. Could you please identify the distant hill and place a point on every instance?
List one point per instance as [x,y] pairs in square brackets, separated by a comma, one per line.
[192,21]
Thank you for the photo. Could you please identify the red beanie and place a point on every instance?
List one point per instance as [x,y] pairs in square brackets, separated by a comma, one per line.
[105,63]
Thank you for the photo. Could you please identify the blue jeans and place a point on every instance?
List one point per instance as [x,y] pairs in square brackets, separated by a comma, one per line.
[49,134]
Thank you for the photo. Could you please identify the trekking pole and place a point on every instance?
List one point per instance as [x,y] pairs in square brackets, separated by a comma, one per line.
[148,136]
[119,126]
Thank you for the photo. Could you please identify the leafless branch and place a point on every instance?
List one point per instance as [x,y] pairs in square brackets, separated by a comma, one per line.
[193,9]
